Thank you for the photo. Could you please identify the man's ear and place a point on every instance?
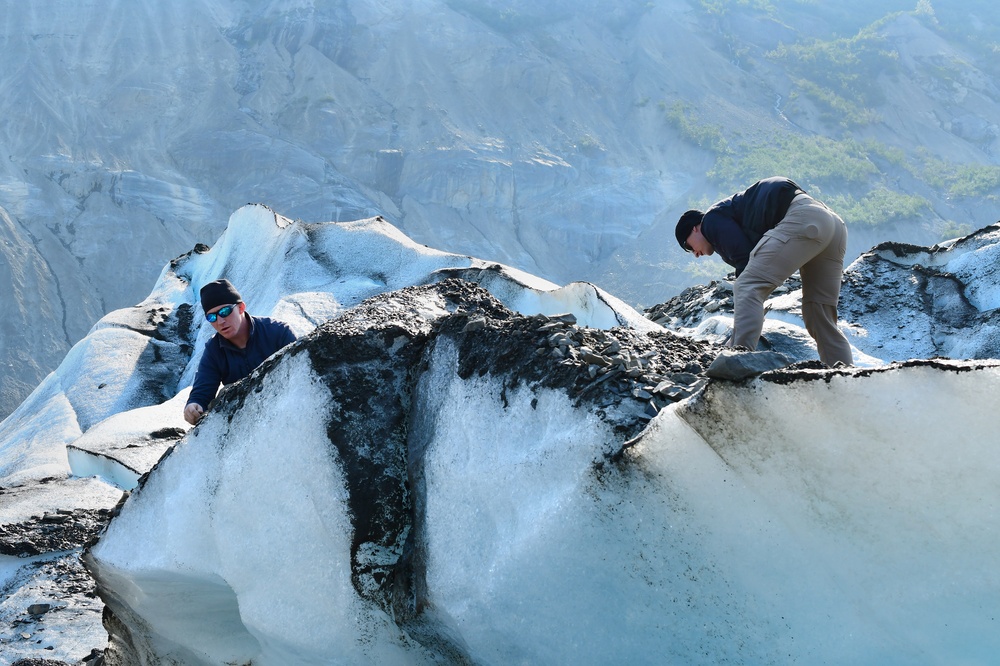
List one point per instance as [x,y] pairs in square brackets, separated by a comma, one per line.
[243,307]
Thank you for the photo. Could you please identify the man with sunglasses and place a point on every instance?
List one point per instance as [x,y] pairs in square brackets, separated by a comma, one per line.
[241,343]
[767,232]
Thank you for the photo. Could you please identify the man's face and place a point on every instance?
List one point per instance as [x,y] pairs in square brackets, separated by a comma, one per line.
[699,244]
[228,326]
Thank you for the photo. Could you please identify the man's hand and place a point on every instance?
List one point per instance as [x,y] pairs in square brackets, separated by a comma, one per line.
[192,412]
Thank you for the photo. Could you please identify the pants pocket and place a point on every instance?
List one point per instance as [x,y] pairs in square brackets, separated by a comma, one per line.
[772,239]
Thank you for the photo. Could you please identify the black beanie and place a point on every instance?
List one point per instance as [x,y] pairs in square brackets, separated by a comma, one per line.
[686,224]
[220,292]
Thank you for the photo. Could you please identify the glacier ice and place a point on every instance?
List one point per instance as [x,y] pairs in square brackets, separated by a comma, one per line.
[433,474]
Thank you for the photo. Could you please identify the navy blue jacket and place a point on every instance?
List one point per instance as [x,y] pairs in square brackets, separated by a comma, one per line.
[222,362]
[734,226]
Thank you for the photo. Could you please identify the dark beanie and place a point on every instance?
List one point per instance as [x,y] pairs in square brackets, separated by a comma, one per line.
[688,221]
[220,292]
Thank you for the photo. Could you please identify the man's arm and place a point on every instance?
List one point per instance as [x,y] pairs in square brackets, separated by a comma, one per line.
[728,239]
[206,384]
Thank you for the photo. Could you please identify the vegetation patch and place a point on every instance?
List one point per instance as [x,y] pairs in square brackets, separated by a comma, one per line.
[850,171]
[880,206]
[836,82]
[723,7]
[842,75]
[813,159]
[959,180]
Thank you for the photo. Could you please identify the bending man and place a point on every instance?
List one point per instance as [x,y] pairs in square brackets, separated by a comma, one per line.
[766,233]
[241,343]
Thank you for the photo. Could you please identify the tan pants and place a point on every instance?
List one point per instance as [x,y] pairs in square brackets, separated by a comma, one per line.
[811,239]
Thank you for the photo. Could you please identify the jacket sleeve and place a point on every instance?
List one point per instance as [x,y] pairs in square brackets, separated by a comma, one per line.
[207,379]
[728,239]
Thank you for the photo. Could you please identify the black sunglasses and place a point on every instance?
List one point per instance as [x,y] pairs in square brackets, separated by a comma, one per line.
[222,312]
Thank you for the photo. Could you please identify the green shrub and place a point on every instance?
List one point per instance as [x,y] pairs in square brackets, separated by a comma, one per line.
[951,229]
[853,170]
[959,180]
[880,206]
[838,110]
[684,118]
[805,159]
[723,7]
[841,75]
[975,180]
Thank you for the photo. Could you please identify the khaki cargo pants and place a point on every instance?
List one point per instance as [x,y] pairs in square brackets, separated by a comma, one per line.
[811,239]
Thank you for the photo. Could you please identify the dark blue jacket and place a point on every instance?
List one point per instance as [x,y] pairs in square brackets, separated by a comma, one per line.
[222,362]
[734,226]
